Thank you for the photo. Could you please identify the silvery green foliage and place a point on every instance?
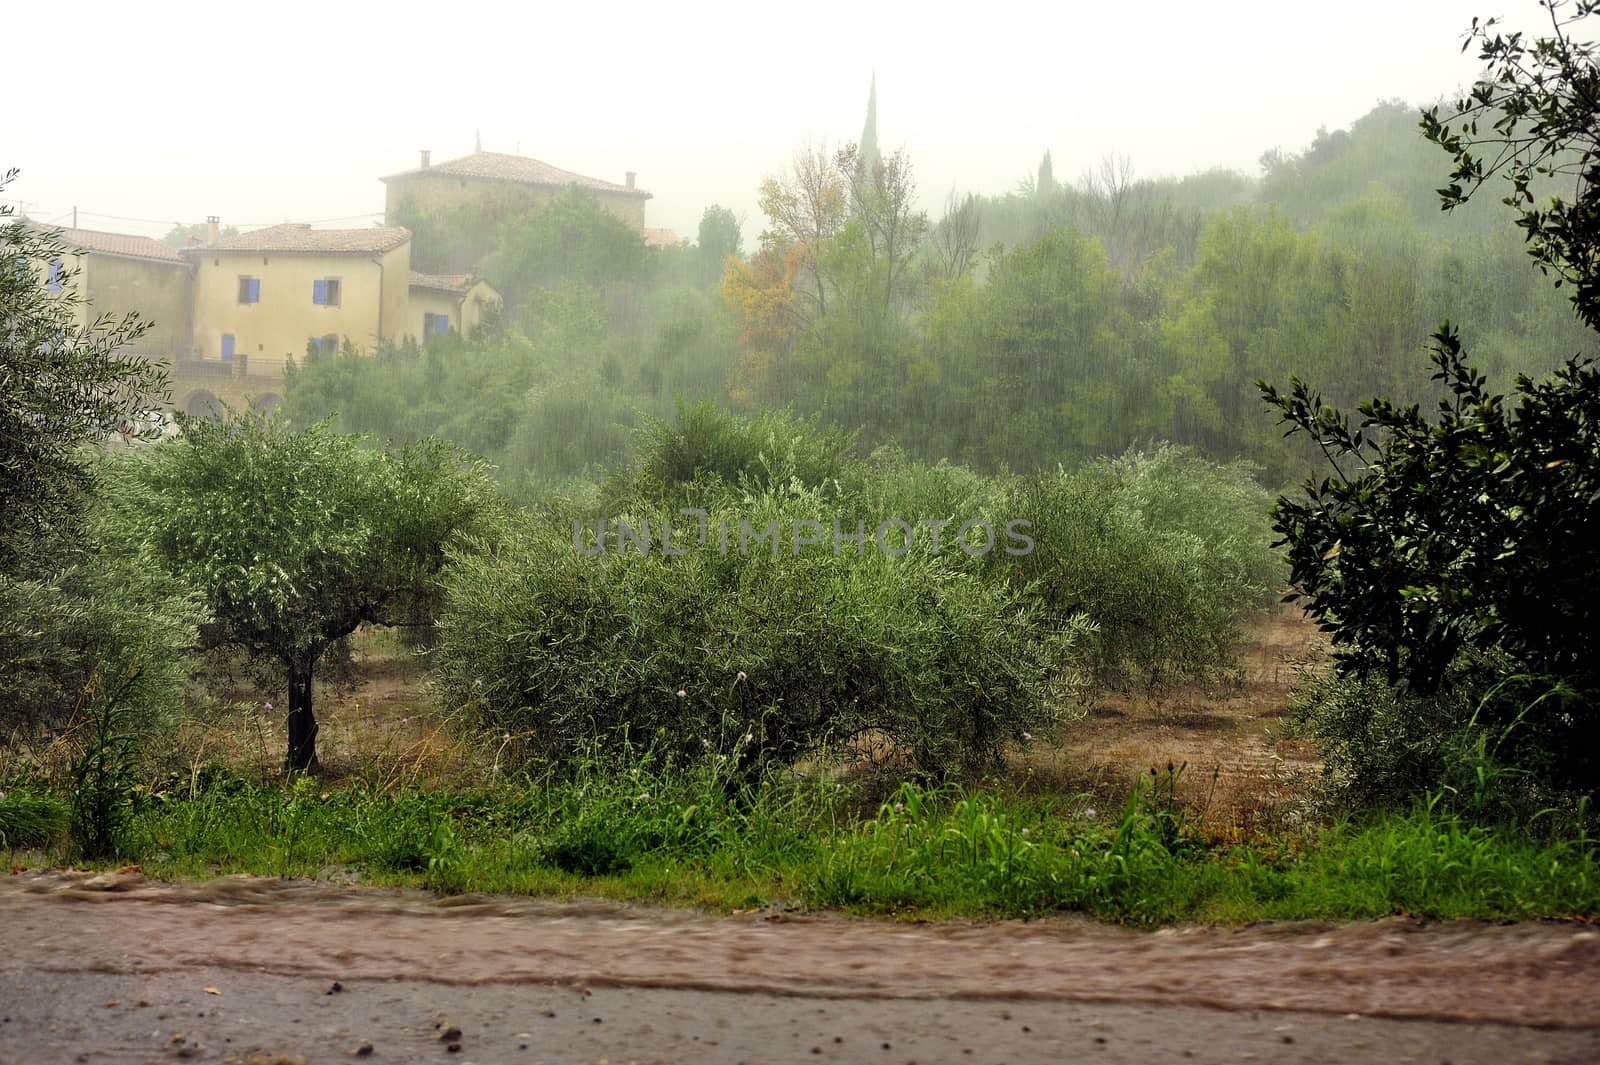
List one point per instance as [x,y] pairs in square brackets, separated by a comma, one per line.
[64,385]
[762,657]
[67,614]
[295,538]
[1162,550]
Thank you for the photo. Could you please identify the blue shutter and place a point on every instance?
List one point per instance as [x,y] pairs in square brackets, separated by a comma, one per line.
[255,290]
[441,324]
[53,279]
[227,347]
[319,293]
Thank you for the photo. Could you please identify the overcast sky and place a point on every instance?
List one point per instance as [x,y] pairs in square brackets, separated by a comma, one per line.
[262,113]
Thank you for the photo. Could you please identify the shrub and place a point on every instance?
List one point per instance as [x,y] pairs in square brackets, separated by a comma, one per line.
[409,833]
[98,614]
[764,658]
[1474,742]
[1465,533]
[705,444]
[1162,551]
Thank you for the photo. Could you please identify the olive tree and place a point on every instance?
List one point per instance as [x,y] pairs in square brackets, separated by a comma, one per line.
[66,381]
[70,622]
[296,538]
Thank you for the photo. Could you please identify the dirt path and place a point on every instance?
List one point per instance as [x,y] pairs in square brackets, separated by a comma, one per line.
[1242,770]
[118,968]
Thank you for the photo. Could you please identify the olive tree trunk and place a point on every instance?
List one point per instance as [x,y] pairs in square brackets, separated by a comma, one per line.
[302,755]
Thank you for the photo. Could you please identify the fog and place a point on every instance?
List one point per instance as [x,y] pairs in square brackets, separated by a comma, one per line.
[145,115]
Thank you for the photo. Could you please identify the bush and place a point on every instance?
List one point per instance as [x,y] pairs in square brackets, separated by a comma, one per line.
[409,833]
[1474,742]
[97,615]
[103,771]
[763,658]
[1469,531]
[704,444]
[1162,551]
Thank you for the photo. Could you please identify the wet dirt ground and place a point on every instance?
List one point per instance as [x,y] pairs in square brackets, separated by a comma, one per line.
[117,968]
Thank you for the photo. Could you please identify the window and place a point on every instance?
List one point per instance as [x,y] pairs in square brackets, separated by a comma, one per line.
[435,324]
[52,280]
[328,344]
[227,347]
[249,290]
[325,293]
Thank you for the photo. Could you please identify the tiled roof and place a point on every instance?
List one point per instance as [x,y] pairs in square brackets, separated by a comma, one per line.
[497,166]
[661,238]
[124,244]
[456,283]
[299,237]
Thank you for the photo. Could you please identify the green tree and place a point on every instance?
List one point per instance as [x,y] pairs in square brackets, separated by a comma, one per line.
[1045,184]
[180,234]
[573,239]
[66,383]
[71,623]
[1541,100]
[718,239]
[1474,529]
[296,538]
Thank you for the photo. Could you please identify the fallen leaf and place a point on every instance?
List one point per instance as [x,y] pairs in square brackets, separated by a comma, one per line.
[212,991]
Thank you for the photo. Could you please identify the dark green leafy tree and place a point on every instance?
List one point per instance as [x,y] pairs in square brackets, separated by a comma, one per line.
[573,239]
[65,383]
[181,234]
[1474,529]
[1045,185]
[1534,117]
[72,624]
[718,238]
[297,538]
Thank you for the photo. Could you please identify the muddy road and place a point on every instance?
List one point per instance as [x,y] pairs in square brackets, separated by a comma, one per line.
[116,968]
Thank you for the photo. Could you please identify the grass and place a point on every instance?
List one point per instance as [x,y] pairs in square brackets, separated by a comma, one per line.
[655,833]
[410,800]
[30,820]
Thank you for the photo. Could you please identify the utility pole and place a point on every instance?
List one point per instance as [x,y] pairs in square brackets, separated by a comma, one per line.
[74,216]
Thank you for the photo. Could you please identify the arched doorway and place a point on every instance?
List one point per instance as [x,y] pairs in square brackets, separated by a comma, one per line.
[202,404]
[266,404]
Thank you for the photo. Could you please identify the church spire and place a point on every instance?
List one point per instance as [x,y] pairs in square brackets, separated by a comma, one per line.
[869,155]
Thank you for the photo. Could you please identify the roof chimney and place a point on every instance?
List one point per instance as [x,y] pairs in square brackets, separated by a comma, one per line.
[632,176]
[213,234]
[425,154]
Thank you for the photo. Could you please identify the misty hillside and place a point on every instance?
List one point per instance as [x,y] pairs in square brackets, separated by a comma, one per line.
[1068,316]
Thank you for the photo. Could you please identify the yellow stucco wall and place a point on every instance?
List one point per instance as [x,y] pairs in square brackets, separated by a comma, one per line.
[373,303]
[158,291]
[426,301]
[466,310]
[439,193]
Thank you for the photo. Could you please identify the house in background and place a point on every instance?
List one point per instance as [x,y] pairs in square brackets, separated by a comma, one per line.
[466,199]
[442,303]
[261,298]
[118,274]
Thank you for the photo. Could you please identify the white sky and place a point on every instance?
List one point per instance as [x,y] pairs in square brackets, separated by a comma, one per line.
[274,111]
